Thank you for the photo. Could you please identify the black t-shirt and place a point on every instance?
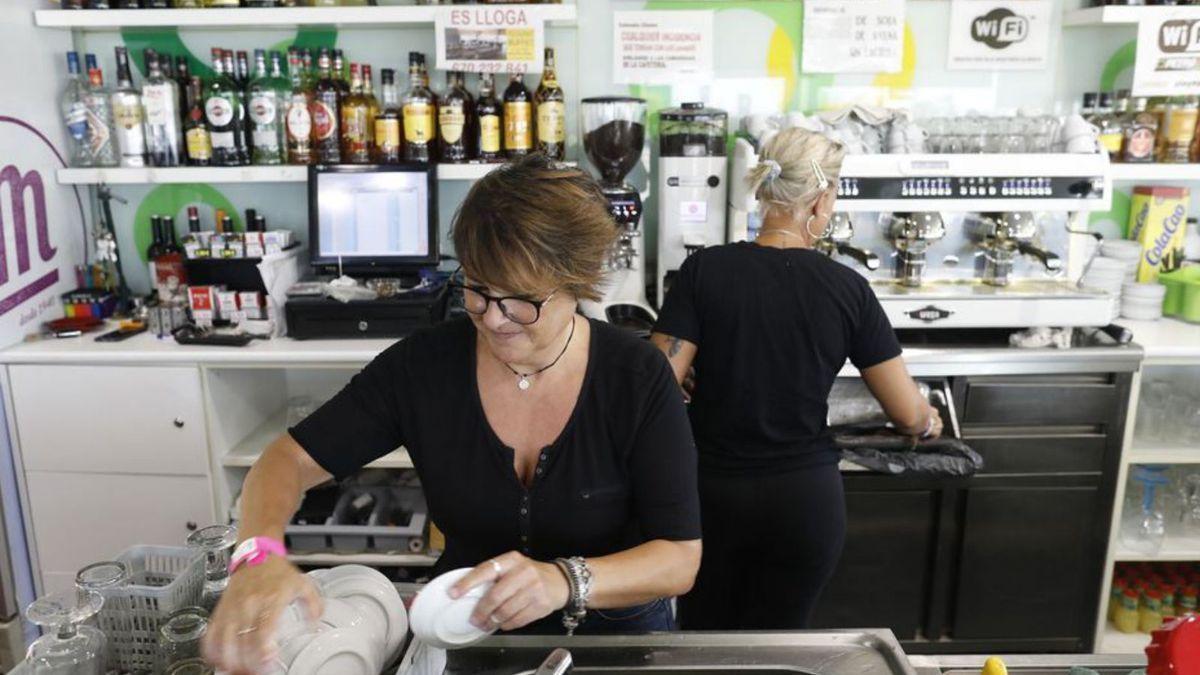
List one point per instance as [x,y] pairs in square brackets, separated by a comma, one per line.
[622,472]
[773,327]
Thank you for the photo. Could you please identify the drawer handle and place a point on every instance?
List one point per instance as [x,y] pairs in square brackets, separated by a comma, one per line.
[191,526]
[178,423]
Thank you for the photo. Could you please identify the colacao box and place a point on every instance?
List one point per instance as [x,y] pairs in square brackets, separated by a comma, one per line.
[1158,221]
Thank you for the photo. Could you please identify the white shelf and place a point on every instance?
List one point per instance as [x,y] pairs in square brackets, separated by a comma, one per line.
[369,559]
[1115,642]
[255,18]
[1150,452]
[1175,549]
[286,173]
[1156,172]
[245,453]
[1112,15]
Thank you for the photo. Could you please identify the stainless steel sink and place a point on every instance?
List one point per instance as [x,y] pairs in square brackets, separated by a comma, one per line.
[849,652]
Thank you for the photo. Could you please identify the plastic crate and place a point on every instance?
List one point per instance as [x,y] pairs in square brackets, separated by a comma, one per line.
[163,579]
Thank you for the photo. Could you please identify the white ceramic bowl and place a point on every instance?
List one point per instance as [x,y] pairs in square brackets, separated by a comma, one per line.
[1149,291]
[1121,249]
[441,621]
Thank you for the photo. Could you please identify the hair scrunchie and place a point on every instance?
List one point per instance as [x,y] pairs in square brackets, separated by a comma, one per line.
[775,171]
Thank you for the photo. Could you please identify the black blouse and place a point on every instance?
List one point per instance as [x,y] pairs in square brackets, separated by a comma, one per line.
[621,473]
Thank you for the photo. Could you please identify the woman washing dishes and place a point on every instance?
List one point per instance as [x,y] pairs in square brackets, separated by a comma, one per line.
[547,445]
[767,326]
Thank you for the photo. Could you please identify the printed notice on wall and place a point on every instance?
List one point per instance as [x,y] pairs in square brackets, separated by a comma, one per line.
[999,34]
[659,47]
[853,36]
[498,39]
[1168,53]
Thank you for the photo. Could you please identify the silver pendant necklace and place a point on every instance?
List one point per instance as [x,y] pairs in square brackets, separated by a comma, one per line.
[763,233]
[523,382]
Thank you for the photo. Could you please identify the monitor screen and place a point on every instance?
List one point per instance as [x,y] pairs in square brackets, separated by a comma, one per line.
[373,216]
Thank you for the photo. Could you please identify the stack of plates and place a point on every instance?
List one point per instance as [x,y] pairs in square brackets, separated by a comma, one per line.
[1107,275]
[444,622]
[1142,301]
[361,628]
[1128,252]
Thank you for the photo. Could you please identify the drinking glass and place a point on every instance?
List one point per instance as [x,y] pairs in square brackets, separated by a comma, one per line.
[1143,526]
[216,542]
[190,667]
[1014,138]
[180,635]
[1190,495]
[68,647]
[936,128]
[104,578]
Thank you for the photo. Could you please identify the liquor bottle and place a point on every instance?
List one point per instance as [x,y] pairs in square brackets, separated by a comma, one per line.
[242,72]
[242,137]
[170,275]
[160,96]
[388,149]
[193,242]
[75,113]
[165,64]
[420,111]
[454,113]
[488,121]
[220,3]
[222,107]
[309,79]
[551,112]
[267,94]
[326,113]
[128,4]
[127,113]
[154,249]
[183,75]
[234,246]
[299,119]
[518,118]
[101,131]
[216,241]
[1088,110]
[197,139]
[355,145]
[1179,129]
[261,3]
[368,93]
[188,4]
[1107,118]
[339,75]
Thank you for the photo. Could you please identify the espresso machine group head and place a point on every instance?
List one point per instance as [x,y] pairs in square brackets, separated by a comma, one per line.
[1002,237]
[614,135]
[837,242]
[911,235]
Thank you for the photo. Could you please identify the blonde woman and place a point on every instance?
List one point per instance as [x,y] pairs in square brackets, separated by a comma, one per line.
[767,326]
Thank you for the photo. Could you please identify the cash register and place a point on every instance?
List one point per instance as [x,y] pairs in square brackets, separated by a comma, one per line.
[377,225]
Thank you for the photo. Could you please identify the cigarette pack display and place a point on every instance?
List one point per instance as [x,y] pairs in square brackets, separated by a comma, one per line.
[251,305]
[203,303]
[227,306]
[276,240]
[254,244]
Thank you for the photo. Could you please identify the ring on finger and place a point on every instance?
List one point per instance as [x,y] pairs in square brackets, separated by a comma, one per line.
[496,566]
[493,620]
[247,630]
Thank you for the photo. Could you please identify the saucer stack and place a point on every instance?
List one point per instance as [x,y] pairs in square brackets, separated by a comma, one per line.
[1107,275]
[362,626]
[1142,301]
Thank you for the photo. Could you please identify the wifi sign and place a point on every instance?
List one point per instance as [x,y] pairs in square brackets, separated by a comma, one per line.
[999,28]
[1179,36]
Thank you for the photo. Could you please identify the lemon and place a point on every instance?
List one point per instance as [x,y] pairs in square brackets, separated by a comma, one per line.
[994,666]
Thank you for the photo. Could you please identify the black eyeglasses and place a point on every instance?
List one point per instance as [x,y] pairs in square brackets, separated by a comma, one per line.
[515,308]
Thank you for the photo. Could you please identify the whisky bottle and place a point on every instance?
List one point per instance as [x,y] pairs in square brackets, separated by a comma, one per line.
[299,118]
[518,118]
[197,140]
[488,121]
[326,113]
[420,112]
[355,148]
[551,112]
[388,148]
[160,97]
[339,75]
[454,112]
[368,92]
[266,93]
[222,112]
[101,131]
[128,115]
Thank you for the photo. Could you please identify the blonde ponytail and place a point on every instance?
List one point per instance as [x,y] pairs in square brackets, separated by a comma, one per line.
[794,167]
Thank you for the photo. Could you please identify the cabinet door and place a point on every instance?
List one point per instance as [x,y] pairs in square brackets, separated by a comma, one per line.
[110,419]
[1030,563]
[80,518]
[883,576]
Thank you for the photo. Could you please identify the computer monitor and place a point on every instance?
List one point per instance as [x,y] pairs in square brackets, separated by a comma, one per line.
[378,219]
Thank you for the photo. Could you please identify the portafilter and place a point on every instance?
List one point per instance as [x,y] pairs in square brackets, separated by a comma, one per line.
[911,235]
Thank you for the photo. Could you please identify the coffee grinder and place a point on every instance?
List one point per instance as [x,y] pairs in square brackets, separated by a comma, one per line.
[692,177]
[614,135]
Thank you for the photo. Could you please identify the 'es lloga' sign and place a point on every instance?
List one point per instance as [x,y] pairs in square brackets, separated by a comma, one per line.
[41,230]
[1168,54]
[489,39]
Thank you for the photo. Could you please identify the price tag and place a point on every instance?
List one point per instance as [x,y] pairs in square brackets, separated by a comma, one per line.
[853,36]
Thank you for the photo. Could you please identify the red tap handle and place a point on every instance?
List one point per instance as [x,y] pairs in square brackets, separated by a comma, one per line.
[1175,648]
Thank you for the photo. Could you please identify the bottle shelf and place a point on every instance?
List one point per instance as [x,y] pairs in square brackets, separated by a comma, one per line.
[1114,641]
[1112,15]
[1156,172]
[254,18]
[1174,549]
[1155,452]
[231,174]
[245,453]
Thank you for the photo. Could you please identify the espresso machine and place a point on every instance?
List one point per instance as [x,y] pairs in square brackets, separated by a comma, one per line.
[692,182]
[837,242]
[614,136]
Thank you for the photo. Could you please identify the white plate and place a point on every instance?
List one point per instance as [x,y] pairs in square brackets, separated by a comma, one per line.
[374,588]
[336,652]
[440,621]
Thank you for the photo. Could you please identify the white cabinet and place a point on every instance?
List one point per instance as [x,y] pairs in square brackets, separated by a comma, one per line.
[109,419]
[79,518]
